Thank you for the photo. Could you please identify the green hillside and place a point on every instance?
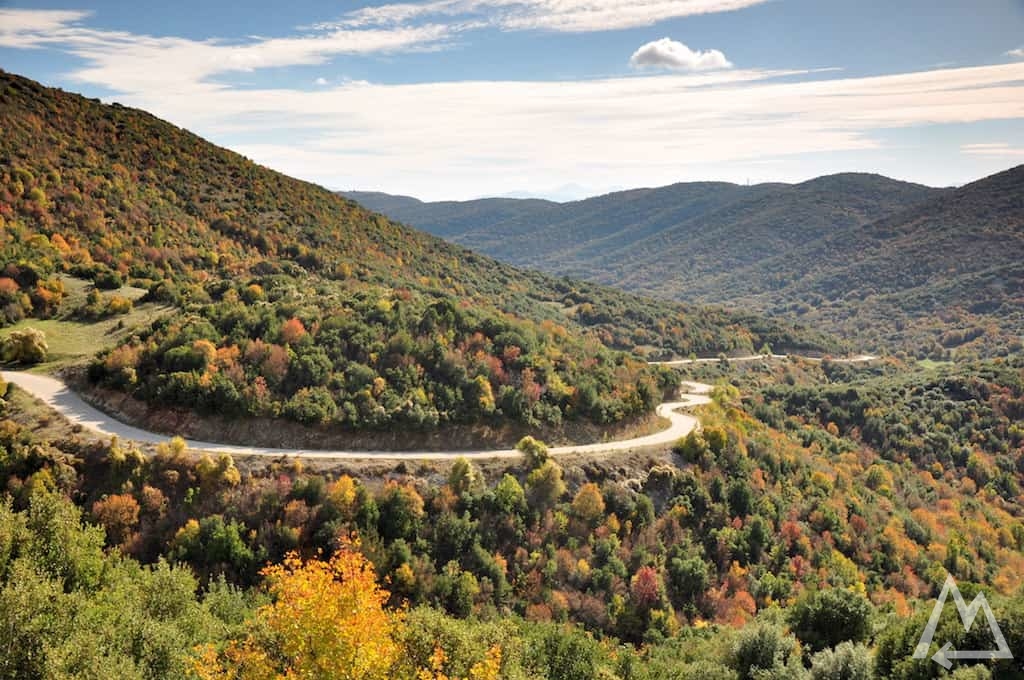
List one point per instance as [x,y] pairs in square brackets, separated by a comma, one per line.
[291,301]
[888,264]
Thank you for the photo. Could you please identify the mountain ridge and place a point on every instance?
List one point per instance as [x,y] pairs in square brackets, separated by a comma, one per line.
[811,251]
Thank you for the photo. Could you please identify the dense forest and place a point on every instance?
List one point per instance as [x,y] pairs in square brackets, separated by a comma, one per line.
[291,301]
[801,532]
[891,265]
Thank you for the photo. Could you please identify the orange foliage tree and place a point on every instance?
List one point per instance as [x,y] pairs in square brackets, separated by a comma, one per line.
[119,515]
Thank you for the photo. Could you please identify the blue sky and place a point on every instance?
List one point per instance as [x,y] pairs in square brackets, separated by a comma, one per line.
[454,99]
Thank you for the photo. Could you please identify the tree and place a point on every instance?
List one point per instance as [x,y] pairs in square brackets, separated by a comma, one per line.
[509,497]
[846,662]
[292,331]
[689,578]
[401,509]
[646,589]
[25,347]
[534,450]
[588,505]
[764,652]
[119,515]
[825,618]
[544,486]
[464,476]
[327,621]
[311,405]
[481,395]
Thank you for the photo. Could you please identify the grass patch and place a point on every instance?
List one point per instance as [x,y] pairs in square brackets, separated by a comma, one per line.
[931,364]
[72,342]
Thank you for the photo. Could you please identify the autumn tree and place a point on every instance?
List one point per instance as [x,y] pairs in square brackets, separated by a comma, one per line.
[25,347]
[327,621]
[464,476]
[588,504]
[534,450]
[292,331]
[544,486]
[119,515]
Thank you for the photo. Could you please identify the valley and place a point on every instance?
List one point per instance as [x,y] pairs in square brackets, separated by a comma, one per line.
[254,428]
[847,253]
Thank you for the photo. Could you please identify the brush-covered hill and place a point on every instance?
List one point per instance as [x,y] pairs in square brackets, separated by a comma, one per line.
[944,274]
[292,301]
[889,264]
[638,238]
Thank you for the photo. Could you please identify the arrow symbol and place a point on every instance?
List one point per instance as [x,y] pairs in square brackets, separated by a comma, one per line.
[940,657]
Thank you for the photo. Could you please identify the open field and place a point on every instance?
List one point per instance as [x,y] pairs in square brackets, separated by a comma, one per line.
[72,342]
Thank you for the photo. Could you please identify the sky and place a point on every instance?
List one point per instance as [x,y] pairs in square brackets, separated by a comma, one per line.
[457,99]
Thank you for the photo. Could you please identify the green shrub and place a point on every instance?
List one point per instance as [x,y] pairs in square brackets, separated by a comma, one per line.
[827,617]
[311,405]
[25,347]
[846,662]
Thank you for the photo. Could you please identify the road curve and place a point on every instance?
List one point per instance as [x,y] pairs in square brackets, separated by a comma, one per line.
[58,396]
[860,358]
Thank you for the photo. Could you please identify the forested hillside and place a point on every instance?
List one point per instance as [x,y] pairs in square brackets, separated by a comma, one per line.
[291,301]
[890,264]
[713,226]
[814,521]
[942,277]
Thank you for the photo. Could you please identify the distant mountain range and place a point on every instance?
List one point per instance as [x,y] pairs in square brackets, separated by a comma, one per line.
[886,262]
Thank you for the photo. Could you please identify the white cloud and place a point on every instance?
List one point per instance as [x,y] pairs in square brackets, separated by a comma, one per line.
[998,149]
[453,139]
[129,62]
[16,23]
[321,81]
[671,54]
[552,15]
[473,138]
[1017,53]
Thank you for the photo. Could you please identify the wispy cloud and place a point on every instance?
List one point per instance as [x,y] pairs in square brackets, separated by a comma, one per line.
[553,15]
[485,135]
[1016,54]
[130,62]
[671,54]
[999,149]
[21,27]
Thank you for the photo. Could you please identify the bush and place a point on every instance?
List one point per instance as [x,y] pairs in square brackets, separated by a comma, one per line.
[846,662]
[827,617]
[119,305]
[109,280]
[312,405]
[763,651]
[25,347]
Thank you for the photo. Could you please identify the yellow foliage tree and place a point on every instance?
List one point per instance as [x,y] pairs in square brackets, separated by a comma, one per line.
[487,669]
[327,621]
[588,505]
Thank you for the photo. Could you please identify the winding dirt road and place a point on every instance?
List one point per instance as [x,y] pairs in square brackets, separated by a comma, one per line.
[58,396]
[860,358]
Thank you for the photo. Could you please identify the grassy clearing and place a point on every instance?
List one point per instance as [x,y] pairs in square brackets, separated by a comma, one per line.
[73,342]
[931,364]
